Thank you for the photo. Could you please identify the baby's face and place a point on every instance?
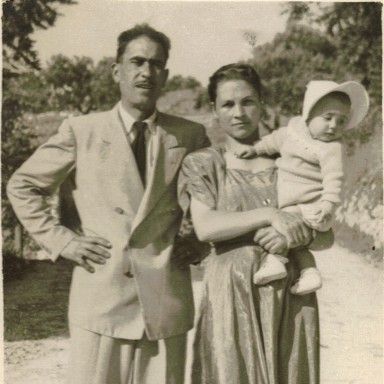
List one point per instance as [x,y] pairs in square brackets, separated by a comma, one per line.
[328,118]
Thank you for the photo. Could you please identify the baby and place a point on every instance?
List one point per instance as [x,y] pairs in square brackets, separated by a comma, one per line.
[310,170]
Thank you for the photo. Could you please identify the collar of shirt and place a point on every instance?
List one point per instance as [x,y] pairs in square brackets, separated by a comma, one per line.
[128,121]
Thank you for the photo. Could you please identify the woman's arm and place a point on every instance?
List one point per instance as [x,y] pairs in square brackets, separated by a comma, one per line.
[211,225]
[274,242]
[214,225]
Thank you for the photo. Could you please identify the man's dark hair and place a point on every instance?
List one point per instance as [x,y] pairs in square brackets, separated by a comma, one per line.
[138,31]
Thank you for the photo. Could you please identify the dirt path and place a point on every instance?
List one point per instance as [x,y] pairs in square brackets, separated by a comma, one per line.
[351,313]
[351,319]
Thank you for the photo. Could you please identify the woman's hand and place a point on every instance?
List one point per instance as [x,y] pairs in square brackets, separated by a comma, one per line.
[271,240]
[292,227]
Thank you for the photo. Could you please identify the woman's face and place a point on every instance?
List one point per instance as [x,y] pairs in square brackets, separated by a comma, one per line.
[237,108]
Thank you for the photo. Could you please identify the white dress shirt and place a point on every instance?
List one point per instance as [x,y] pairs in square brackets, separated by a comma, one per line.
[151,136]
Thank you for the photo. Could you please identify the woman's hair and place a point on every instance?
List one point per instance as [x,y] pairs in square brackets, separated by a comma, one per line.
[234,72]
[138,31]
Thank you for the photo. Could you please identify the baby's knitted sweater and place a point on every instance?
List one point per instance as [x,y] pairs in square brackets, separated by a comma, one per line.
[308,170]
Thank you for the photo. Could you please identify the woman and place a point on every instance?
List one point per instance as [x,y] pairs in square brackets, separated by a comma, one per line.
[245,334]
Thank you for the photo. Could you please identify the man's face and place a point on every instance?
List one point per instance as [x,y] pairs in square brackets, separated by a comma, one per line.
[141,74]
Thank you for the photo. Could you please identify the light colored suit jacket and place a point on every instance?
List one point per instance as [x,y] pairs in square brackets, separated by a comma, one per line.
[138,288]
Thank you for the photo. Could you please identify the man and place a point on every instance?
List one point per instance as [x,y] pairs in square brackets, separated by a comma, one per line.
[126,292]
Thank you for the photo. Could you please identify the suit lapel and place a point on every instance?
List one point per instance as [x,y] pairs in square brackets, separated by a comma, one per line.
[121,162]
[173,155]
[168,159]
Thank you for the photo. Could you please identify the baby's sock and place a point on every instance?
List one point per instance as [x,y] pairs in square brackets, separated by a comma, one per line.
[309,281]
[272,268]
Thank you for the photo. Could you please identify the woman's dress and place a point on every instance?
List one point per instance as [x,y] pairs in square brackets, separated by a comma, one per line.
[246,334]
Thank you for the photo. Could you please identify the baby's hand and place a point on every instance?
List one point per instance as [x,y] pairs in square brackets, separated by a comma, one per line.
[245,152]
[327,210]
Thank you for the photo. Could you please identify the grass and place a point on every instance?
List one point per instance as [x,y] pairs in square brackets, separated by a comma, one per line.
[36,301]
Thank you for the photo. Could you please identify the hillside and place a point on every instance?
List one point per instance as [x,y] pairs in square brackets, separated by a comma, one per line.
[360,217]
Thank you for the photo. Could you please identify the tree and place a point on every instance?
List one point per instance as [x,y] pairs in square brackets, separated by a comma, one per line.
[20,19]
[76,84]
[29,90]
[17,144]
[337,41]
[179,82]
[355,29]
[289,62]
[105,91]
[69,81]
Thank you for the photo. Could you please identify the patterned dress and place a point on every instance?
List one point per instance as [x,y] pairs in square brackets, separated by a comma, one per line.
[246,334]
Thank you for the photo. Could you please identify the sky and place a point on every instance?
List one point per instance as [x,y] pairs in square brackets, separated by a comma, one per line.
[204,35]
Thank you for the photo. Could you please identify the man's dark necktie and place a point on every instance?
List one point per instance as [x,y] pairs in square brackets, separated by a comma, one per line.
[139,147]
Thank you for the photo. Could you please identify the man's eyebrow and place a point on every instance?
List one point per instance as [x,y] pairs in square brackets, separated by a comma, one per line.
[138,57]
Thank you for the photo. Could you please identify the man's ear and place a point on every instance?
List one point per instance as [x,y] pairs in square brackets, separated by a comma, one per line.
[116,72]
[166,74]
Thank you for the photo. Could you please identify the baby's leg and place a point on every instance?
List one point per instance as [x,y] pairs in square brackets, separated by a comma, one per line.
[311,214]
[310,278]
[272,268]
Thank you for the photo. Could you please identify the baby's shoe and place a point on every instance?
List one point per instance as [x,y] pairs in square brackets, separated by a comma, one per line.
[272,268]
[309,281]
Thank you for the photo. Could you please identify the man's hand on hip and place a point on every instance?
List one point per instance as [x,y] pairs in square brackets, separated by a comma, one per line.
[84,248]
